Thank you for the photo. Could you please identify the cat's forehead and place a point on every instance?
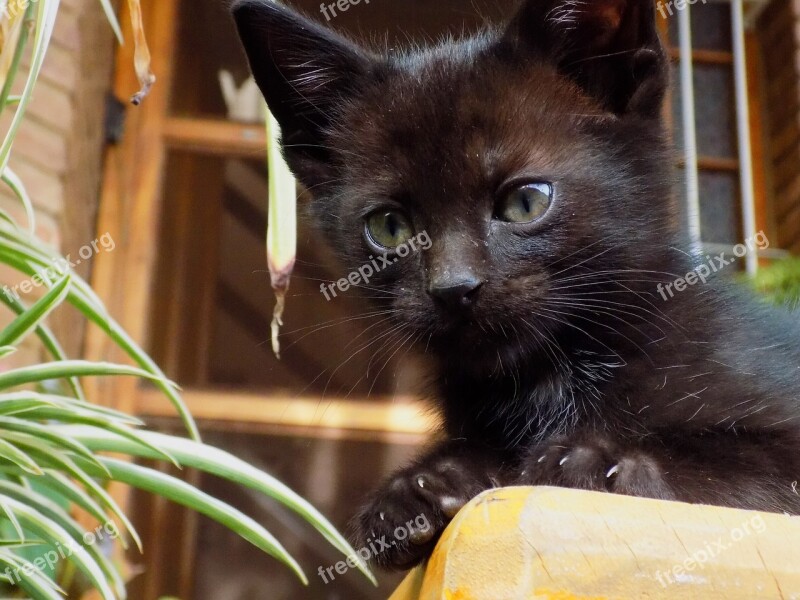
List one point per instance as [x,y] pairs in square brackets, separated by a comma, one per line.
[476,86]
[468,115]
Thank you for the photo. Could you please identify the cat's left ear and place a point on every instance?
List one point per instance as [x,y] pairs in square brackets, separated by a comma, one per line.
[305,72]
[611,48]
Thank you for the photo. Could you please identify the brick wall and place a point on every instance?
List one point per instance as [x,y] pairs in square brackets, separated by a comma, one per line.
[58,152]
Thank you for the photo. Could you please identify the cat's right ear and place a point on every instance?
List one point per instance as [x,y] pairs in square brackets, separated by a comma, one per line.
[304,71]
[611,48]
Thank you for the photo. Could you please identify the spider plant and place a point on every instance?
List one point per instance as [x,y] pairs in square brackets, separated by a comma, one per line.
[54,442]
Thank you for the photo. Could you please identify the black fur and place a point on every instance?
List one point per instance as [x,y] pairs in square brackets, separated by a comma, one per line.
[567,368]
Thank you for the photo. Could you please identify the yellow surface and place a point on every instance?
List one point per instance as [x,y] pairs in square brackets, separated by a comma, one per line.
[558,544]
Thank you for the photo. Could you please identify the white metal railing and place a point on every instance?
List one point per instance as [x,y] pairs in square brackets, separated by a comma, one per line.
[743,130]
[740,20]
[689,126]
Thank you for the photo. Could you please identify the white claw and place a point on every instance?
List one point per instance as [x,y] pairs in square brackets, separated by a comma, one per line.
[612,471]
[421,482]
[563,461]
[541,460]
[383,516]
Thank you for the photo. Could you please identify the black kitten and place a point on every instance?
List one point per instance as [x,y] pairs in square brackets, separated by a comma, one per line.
[535,160]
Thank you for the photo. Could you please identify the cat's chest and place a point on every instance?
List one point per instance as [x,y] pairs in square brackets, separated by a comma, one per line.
[521,410]
[509,423]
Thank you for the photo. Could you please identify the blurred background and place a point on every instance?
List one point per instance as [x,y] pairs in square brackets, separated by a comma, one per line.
[180,183]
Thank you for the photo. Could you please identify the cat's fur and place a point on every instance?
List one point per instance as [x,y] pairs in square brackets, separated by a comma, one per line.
[567,368]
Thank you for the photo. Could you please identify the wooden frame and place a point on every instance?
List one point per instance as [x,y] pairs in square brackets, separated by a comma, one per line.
[212,136]
[345,419]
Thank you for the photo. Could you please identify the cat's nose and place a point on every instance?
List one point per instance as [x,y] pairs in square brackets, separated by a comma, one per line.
[458,293]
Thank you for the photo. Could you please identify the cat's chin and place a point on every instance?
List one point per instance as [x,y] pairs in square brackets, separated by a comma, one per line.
[479,351]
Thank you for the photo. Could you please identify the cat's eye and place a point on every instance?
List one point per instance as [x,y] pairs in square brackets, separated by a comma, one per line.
[388,229]
[526,203]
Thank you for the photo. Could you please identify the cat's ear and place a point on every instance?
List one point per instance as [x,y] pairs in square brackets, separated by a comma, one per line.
[304,71]
[611,48]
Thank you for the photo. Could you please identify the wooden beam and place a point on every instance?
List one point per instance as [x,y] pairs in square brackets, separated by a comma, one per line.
[265,431]
[714,163]
[708,57]
[212,136]
[397,415]
[757,140]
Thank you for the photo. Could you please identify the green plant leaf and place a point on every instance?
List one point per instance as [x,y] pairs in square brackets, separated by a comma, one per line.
[21,30]
[48,340]
[13,519]
[220,463]
[38,406]
[52,511]
[40,438]
[30,319]
[48,458]
[10,404]
[187,495]
[36,584]
[11,453]
[77,416]
[68,368]
[65,487]
[20,543]
[20,253]
[54,533]
[15,183]
[44,23]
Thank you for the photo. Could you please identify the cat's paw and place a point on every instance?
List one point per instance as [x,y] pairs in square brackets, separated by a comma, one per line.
[593,462]
[408,514]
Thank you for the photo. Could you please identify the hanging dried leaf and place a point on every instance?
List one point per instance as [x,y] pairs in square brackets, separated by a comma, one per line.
[282,227]
[141,56]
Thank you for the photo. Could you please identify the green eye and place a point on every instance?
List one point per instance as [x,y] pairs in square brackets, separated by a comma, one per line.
[526,204]
[388,229]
